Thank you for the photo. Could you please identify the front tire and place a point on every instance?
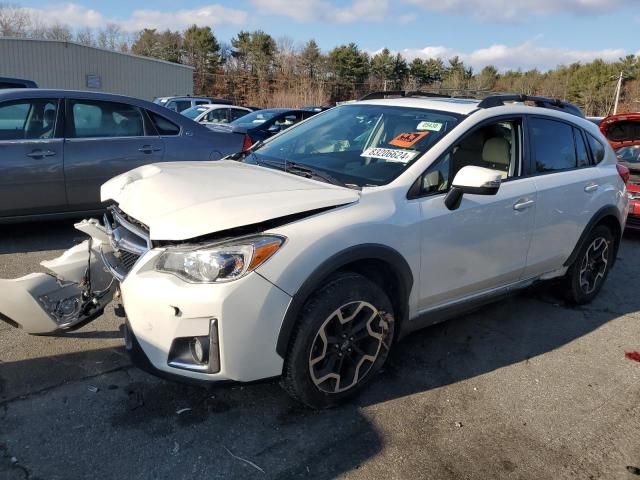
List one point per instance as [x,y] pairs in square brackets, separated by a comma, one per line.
[588,272]
[341,341]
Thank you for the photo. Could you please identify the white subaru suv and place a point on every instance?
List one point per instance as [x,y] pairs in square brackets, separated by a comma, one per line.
[309,256]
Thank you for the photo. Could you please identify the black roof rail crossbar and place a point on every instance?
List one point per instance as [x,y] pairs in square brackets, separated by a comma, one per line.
[543,102]
[400,93]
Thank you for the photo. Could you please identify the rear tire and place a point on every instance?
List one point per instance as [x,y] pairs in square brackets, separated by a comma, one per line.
[340,342]
[587,274]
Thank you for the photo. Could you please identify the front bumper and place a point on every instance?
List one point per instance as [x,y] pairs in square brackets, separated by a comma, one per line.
[161,308]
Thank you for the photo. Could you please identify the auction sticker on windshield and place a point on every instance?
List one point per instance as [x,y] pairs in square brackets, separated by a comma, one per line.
[433,126]
[401,156]
[406,140]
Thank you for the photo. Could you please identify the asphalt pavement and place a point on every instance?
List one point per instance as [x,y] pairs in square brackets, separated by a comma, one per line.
[527,388]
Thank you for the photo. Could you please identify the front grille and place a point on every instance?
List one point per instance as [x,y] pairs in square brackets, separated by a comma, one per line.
[129,240]
[127,259]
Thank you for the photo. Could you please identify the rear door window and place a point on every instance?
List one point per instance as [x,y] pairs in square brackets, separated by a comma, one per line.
[97,119]
[581,149]
[28,119]
[237,113]
[597,149]
[181,105]
[219,115]
[552,144]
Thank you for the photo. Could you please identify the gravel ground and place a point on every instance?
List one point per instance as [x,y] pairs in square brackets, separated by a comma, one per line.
[525,388]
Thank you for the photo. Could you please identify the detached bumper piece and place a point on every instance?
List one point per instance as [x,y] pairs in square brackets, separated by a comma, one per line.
[74,292]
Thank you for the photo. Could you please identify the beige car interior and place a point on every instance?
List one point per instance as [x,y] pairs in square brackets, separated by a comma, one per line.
[492,147]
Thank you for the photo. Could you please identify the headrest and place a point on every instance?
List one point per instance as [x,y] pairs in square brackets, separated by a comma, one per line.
[496,151]
[49,116]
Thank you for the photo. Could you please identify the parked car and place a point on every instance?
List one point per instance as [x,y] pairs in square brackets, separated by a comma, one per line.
[6,82]
[181,103]
[312,254]
[623,133]
[315,108]
[213,114]
[262,124]
[57,147]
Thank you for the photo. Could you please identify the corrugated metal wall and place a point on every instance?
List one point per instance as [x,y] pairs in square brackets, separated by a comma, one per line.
[53,64]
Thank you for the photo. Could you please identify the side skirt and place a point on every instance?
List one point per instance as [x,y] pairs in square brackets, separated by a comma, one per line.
[443,312]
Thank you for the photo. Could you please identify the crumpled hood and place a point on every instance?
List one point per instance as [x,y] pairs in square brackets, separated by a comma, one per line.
[183,200]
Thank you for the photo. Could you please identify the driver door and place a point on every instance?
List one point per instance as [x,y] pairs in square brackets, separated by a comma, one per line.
[482,245]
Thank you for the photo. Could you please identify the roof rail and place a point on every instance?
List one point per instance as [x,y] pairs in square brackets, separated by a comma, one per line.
[543,102]
[400,93]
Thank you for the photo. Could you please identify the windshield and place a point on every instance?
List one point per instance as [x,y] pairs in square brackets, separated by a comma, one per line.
[193,112]
[255,119]
[359,144]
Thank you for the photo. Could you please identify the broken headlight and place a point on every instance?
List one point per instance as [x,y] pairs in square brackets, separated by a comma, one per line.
[221,262]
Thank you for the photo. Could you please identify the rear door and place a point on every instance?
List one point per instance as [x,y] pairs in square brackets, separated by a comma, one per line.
[104,139]
[31,157]
[567,184]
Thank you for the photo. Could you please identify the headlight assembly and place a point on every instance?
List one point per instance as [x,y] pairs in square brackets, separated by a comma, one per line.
[217,263]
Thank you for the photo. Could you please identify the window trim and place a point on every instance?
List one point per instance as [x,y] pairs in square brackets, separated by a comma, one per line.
[532,170]
[524,154]
[69,132]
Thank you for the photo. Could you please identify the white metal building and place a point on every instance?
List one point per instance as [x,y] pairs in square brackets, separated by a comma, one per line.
[69,65]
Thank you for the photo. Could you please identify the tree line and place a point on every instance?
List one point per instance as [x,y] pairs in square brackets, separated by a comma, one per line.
[255,68]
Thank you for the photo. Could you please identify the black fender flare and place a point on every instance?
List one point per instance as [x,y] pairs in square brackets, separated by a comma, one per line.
[393,258]
[604,212]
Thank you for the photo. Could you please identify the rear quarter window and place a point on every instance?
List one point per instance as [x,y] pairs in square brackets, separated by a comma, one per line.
[163,126]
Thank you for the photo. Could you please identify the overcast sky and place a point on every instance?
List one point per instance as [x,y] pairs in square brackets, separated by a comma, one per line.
[506,33]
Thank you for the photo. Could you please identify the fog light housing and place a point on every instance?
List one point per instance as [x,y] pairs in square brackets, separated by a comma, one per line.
[198,354]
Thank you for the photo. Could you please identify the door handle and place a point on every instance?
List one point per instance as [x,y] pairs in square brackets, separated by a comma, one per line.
[523,204]
[148,149]
[592,187]
[41,153]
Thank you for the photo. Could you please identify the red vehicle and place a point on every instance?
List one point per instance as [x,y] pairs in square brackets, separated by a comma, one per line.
[623,133]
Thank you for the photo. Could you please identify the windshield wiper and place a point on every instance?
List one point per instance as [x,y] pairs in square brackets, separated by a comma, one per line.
[302,171]
[310,172]
[245,153]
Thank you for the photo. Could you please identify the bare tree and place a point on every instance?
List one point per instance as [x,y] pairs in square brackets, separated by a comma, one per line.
[14,21]
[85,37]
[58,31]
[110,37]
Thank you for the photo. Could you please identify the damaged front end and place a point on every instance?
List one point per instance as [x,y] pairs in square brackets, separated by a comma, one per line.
[74,292]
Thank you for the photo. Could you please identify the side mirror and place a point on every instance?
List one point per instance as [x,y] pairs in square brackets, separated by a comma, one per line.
[473,180]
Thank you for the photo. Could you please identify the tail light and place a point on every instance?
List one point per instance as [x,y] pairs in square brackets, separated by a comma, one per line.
[623,172]
[246,143]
